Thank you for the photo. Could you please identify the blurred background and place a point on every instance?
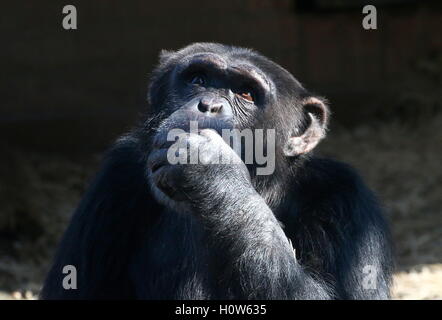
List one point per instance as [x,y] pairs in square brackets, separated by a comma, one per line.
[66,95]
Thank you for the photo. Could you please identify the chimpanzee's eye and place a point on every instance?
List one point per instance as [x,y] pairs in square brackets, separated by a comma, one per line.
[197,79]
[246,94]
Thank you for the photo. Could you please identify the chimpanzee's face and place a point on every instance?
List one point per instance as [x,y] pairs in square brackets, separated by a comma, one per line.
[218,91]
[223,87]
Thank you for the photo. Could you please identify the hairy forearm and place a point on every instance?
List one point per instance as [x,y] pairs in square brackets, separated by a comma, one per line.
[249,248]
[245,222]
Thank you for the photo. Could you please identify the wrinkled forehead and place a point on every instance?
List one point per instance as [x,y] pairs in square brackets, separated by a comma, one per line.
[228,64]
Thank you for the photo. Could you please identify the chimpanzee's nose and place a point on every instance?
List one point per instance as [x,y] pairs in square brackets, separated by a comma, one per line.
[210,106]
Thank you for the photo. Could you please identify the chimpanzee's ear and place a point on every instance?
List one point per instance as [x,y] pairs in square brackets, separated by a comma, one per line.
[165,55]
[317,115]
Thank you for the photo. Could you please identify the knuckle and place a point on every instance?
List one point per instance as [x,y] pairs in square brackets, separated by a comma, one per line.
[210,134]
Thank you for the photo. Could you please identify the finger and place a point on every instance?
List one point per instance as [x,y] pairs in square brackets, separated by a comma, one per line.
[167,178]
[211,135]
[157,159]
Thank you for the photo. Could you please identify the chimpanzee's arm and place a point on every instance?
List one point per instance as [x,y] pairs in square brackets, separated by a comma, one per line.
[252,258]
[334,223]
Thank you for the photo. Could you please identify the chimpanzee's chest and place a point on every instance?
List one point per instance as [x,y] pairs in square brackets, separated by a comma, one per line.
[172,262]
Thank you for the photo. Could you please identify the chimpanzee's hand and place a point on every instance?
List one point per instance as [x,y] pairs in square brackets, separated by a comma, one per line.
[197,168]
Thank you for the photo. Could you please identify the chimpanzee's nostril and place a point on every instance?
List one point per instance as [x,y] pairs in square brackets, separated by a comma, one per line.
[203,106]
[216,108]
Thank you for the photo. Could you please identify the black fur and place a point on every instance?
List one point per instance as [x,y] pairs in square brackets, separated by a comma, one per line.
[304,232]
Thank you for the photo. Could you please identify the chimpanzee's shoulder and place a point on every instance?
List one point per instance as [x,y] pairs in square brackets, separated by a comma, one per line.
[331,170]
[329,179]
[129,146]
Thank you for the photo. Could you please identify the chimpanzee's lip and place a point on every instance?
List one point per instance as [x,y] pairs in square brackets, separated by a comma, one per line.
[191,122]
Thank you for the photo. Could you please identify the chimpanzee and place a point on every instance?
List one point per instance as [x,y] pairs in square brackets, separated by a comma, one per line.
[150,227]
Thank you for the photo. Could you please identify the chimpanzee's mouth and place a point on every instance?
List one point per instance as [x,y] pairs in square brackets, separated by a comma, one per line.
[190,122]
[193,122]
